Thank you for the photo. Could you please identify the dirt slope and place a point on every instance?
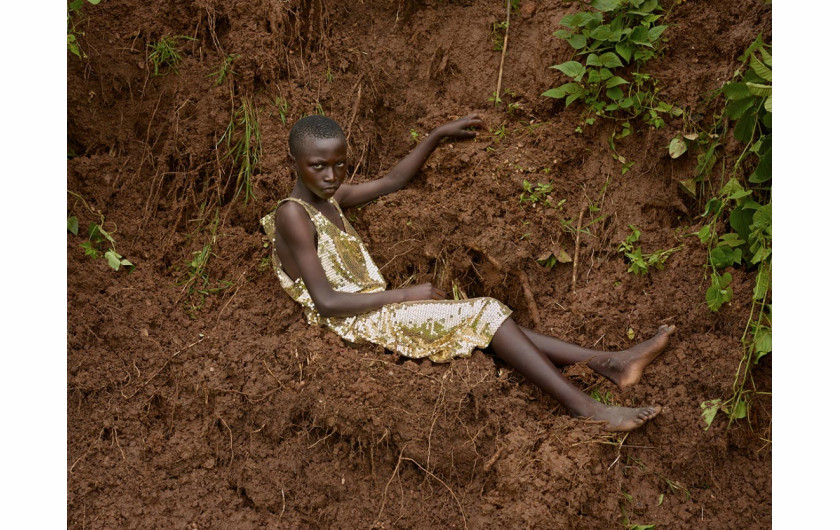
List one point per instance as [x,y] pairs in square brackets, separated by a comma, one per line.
[230,412]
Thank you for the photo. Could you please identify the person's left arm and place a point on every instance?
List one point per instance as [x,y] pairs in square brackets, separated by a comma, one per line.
[350,195]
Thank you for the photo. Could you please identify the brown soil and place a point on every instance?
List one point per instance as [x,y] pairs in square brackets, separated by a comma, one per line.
[239,415]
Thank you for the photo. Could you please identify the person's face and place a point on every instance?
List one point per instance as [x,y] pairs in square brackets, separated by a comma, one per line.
[321,165]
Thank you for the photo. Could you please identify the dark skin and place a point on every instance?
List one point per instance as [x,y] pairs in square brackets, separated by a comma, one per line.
[321,168]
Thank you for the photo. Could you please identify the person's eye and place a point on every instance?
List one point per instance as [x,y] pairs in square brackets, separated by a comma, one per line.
[340,164]
[318,166]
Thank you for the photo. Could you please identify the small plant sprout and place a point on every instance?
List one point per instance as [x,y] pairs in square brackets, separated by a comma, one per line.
[165,54]
[641,263]
[415,136]
[100,242]
[74,11]
[224,70]
[535,193]
[244,145]
[282,107]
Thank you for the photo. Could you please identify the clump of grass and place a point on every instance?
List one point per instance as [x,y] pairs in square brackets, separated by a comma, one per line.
[282,107]
[197,283]
[244,145]
[165,54]
[224,70]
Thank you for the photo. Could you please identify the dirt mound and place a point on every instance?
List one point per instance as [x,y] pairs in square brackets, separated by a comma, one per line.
[197,395]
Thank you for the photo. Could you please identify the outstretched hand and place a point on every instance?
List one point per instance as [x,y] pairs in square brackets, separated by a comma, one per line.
[460,128]
[424,291]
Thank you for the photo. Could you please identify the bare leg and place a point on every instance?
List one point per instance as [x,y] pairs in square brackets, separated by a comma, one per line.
[514,347]
[623,368]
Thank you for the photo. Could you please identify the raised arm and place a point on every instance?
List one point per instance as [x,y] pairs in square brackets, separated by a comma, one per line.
[296,230]
[350,195]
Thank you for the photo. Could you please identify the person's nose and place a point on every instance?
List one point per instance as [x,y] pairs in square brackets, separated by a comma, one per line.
[329,175]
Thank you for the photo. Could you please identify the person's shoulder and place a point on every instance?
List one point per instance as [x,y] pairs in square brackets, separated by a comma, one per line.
[291,217]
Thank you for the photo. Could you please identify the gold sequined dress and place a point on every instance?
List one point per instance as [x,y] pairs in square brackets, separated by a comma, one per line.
[438,329]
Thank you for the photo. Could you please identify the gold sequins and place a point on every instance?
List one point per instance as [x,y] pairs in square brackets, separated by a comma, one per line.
[438,329]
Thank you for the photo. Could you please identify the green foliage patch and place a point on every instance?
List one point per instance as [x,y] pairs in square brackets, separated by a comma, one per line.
[613,43]
[642,263]
[738,227]
[244,145]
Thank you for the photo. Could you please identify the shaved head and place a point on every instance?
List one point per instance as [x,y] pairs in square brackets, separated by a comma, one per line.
[310,128]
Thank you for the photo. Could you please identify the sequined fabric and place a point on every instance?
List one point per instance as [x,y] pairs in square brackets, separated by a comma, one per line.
[438,329]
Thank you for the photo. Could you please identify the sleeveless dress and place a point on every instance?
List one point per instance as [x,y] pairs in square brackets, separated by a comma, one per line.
[438,329]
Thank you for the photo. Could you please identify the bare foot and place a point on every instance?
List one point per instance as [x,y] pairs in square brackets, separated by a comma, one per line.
[622,419]
[625,368]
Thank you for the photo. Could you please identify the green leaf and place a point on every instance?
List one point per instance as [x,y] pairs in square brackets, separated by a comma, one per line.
[89,249]
[113,259]
[762,70]
[710,410]
[759,90]
[640,35]
[740,410]
[735,91]
[94,2]
[762,282]
[601,33]
[740,220]
[718,294]
[610,60]
[615,81]
[625,50]
[763,171]
[713,206]
[656,32]
[745,128]
[614,93]
[768,106]
[561,91]
[732,239]
[73,225]
[572,69]
[705,234]
[723,256]
[763,340]
[577,41]
[605,5]
[677,147]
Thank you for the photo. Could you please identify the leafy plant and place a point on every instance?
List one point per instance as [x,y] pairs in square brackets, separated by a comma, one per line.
[497,35]
[100,242]
[165,54]
[224,70]
[74,10]
[244,145]
[620,36]
[641,263]
[415,136]
[738,228]
[535,193]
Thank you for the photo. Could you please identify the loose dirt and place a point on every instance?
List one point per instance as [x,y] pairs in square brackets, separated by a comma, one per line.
[231,412]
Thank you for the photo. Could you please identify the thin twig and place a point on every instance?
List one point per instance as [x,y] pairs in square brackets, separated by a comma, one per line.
[502,63]
[577,251]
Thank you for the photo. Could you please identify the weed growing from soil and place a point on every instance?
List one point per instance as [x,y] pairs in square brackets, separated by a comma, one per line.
[244,145]
[165,54]
[641,263]
[97,238]
[282,107]
[225,70]
[745,199]
[197,284]
[535,193]
[618,36]
[74,11]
